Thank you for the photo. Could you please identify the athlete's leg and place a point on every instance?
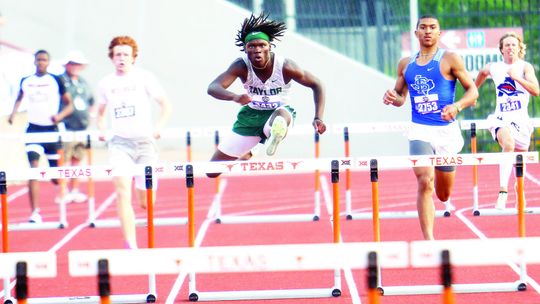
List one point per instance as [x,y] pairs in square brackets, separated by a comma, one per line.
[122,153]
[277,128]
[507,143]
[124,209]
[33,186]
[444,182]
[234,147]
[424,200]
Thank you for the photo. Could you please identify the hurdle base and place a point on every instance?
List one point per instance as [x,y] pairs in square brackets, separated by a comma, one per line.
[264,294]
[135,298]
[506,211]
[166,221]
[277,218]
[36,226]
[393,215]
[456,288]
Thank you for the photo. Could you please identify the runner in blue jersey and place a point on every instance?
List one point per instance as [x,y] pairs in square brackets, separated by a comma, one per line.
[265,113]
[429,77]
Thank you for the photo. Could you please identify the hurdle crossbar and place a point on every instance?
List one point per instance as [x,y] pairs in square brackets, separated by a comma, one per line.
[473,159]
[333,291]
[472,252]
[464,288]
[477,211]
[279,218]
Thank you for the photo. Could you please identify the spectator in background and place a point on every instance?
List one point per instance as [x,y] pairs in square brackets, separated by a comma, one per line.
[44,93]
[127,95]
[79,120]
[510,125]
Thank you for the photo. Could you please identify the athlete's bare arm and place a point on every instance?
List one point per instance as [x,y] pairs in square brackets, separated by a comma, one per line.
[528,81]
[291,71]
[483,74]
[398,95]
[218,87]
[16,106]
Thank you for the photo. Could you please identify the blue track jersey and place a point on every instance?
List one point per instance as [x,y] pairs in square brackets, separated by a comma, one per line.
[429,91]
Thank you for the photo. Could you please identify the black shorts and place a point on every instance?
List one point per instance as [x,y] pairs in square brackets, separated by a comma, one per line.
[50,149]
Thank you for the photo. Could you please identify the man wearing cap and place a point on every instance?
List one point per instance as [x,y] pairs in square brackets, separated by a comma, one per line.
[267,78]
[79,120]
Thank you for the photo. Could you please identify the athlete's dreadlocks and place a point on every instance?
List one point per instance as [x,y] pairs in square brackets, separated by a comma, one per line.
[273,29]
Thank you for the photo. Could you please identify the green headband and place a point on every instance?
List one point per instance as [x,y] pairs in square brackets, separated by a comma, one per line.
[256,35]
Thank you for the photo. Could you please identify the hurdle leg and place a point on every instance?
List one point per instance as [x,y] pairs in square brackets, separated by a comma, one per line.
[374,177]
[446,278]
[336,222]
[373,270]
[192,287]
[348,195]
[63,188]
[476,212]
[150,220]
[21,289]
[5,223]
[5,229]
[317,209]
[521,214]
[91,186]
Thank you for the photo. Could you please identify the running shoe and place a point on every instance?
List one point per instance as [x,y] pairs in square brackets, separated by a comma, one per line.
[501,200]
[66,199]
[77,197]
[277,133]
[35,217]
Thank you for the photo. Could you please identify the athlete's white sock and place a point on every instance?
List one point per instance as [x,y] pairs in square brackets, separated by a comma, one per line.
[505,169]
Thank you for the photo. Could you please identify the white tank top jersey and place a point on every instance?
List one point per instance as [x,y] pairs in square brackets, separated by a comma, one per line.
[512,98]
[128,99]
[42,95]
[271,94]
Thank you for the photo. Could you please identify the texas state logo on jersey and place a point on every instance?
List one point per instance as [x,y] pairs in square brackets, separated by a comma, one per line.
[508,88]
[423,101]
[422,85]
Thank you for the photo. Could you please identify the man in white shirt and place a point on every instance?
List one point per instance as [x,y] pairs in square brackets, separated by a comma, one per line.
[43,92]
[127,95]
[515,82]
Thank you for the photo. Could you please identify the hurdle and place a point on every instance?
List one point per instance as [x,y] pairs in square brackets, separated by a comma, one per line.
[519,285]
[445,254]
[366,128]
[139,222]
[477,253]
[34,264]
[149,297]
[281,218]
[241,259]
[334,291]
[477,211]
[62,221]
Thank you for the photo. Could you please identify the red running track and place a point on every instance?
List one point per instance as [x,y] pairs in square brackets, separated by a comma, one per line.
[263,195]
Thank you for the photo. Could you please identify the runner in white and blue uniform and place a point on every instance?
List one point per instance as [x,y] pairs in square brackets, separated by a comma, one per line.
[429,77]
[510,125]
[266,78]
[43,93]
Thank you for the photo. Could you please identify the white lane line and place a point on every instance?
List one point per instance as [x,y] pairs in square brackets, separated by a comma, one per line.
[210,218]
[349,278]
[108,201]
[530,281]
[17,194]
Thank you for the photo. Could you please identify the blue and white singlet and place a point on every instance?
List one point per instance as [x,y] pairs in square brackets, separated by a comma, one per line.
[429,91]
